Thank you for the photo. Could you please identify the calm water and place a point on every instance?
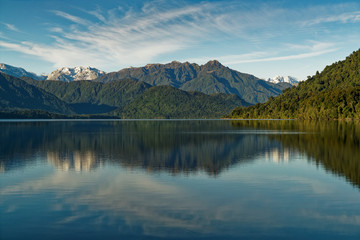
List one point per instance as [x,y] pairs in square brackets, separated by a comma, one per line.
[179,180]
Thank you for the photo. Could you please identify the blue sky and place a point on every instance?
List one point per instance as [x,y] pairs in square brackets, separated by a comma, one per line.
[264,38]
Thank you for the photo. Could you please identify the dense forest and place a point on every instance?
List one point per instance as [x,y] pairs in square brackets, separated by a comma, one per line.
[332,94]
[169,102]
[17,94]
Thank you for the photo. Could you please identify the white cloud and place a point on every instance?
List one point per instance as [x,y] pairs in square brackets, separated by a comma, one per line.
[288,57]
[98,15]
[348,17]
[118,39]
[312,46]
[56,29]
[11,27]
[71,18]
[306,51]
[228,59]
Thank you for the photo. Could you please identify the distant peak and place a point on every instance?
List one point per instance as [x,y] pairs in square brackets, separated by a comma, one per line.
[211,65]
[151,65]
[214,62]
[281,79]
[18,72]
[67,74]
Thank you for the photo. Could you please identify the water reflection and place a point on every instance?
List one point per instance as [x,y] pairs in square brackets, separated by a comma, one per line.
[180,147]
[277,156]
[335,145]
[78,161]
[174,146]
[264,187]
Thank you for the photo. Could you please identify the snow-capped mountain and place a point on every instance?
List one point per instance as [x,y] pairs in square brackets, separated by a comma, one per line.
[19,72]
[75,74]
[280,79]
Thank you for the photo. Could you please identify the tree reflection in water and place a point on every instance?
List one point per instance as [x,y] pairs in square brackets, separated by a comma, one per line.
[335,145]
[180,146]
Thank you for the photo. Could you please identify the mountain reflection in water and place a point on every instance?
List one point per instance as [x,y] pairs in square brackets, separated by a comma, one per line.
[179,147]
[174,146]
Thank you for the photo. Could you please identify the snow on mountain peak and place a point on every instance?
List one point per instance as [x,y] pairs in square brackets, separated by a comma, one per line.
[281,79]
[75,74]
[19,72]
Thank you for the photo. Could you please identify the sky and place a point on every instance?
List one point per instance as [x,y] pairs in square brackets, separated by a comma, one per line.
[263,38]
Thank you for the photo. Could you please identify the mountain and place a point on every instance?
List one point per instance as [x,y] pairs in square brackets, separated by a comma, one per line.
[62,74]
[16,94]
[283,79]
[209,78]
[129,98]
[170,102]
[19,72]
[65,74]
[174,90]
[332,94]
[89,97]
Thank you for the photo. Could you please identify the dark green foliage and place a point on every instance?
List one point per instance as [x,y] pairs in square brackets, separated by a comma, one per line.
[169,102]
[86,93]
[30,114]
[118,99]
[209,78]
[16,94]
[332,94]
[215,78]
[173,74]
[39,114]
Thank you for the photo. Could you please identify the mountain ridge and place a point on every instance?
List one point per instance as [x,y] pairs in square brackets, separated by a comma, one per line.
[209,78]
[19,72]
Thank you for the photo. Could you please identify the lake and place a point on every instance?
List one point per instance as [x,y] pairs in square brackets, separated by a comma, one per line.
[189,179]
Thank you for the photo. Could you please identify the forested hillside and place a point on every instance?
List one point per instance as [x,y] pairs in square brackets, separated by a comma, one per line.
[169,102]
[88,97]
[332,94]
[16,94]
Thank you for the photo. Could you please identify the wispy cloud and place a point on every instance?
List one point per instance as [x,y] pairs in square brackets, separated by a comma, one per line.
[290,57]
[70,17]
[11,27]
[229,59]
[348,17]
[130,38]
[304,51]
[97,14]
[110,39]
